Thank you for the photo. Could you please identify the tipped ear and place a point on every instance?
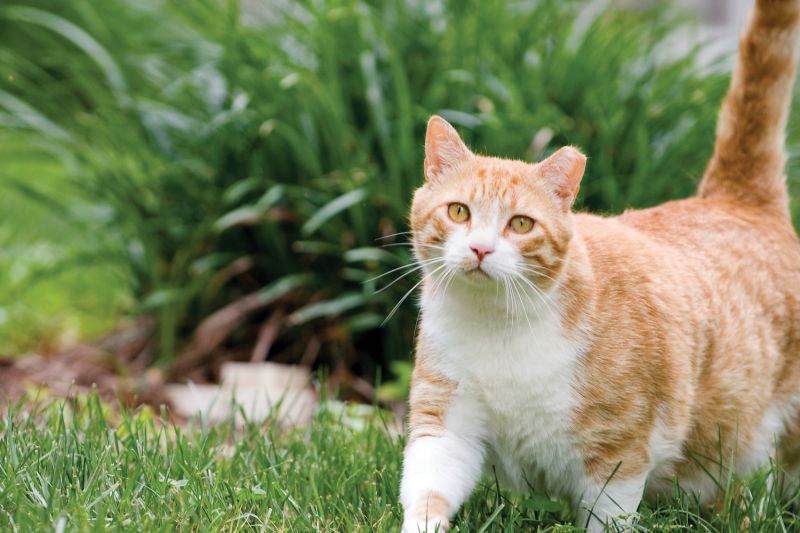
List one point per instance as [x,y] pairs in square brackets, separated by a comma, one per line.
[444,149]
[564,170]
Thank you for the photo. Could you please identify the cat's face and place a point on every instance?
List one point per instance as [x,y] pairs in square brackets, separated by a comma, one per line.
[486,220]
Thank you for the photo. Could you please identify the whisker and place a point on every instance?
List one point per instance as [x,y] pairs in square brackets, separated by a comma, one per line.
[410,265]
[393,235]
[412,271]
[526,268]
[411,245]
[407,294]
[539,293]
[453,274]
[527,318]
[519,308]
[548,269]
[438,283]
[398,278]
[509,306]
[389,245]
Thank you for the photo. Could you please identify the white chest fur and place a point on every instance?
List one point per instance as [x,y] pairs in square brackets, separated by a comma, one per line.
[518,371]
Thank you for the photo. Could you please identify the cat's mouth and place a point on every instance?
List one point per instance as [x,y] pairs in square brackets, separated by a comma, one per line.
[477,273]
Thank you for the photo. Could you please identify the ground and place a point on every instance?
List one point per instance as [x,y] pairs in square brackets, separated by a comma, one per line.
[82,465]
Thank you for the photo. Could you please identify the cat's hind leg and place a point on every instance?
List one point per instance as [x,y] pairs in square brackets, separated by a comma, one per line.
[612,504]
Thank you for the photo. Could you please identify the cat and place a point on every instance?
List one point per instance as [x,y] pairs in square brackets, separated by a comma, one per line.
[599,359]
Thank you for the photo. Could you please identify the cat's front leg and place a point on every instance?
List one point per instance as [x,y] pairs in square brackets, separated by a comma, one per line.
[444,456]
[439,472]
[612,504]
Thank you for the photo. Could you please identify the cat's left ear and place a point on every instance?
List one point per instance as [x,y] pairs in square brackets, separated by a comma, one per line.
[564,170]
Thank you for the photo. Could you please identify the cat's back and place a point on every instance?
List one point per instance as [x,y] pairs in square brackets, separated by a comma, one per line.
[697,235]
[700,261]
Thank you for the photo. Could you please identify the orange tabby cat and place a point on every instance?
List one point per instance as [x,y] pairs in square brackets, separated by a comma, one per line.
[599,358]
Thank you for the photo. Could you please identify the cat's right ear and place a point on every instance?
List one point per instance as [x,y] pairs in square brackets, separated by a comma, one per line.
[444,149]
[564,171]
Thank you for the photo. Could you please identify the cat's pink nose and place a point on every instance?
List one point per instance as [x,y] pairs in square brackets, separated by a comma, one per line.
[481,250]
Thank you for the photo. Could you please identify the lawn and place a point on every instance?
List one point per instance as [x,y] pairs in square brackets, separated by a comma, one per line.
[81,466]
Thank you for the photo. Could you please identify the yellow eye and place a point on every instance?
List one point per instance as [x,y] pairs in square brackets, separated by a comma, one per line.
[521,224]
[458,212]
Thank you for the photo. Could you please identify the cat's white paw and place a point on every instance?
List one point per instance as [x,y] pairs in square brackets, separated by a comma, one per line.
[431,525]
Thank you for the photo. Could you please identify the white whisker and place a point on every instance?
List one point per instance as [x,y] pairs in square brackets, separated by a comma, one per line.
[414,265]
[438,282]
[411,245]
[412,271]
[393,235]
[539,293]
[527,318]
[530,268]
[453,274]
[503,279]
[407,294]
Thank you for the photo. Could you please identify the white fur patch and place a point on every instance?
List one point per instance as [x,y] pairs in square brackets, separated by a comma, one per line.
[449,465]
[515,363]
[615,502]
[767,436]
[705,486]
[664,450]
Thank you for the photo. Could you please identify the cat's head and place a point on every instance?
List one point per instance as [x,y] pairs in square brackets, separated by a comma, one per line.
[484,219]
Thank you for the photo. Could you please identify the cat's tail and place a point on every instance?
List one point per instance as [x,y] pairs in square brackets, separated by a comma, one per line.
[749,155]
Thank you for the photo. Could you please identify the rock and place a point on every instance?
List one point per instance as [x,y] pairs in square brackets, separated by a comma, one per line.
[259,391]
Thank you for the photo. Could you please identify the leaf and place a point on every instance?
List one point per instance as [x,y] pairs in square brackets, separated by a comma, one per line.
[32,118]
[364,322]
[283,286]
[39,197]
[75,35]
[315,247]
[374,94]
[161,298]
[328,308]
[489,521]
[540,502]
[332,209]
[460,118]
[271,197]
[250,215]
[370,254]
[238,190]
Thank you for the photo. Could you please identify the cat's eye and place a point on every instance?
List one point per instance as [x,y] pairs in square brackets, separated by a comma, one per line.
[521,224]
[458,212]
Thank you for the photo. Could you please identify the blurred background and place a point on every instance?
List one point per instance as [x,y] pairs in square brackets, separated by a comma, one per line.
[184,184]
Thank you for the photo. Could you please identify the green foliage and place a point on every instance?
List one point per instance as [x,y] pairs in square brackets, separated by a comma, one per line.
[50,291]
[225,155]
[80,467]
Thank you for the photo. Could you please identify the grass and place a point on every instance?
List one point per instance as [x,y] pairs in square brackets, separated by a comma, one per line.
[79,466]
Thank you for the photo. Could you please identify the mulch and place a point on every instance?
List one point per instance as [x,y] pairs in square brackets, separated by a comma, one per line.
[116,367]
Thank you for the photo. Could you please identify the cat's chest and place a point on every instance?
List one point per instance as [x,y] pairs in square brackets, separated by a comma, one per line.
[529,416]
[522,378]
